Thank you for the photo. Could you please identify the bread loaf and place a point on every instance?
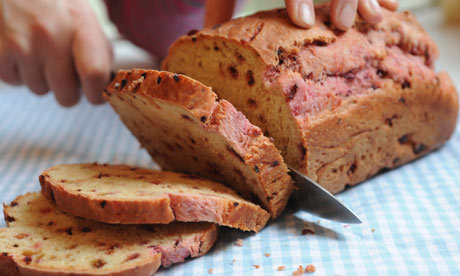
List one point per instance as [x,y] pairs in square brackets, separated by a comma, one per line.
[130,195]
[40,240]
[341,106]
[185,128]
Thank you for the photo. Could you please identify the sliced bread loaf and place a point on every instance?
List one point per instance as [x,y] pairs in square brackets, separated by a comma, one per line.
[184,128]
[41,240]
[340,105]
[130,195]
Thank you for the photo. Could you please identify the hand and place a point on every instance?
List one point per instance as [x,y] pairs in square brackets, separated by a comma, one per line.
[54,45]
[342,12]
[302,12]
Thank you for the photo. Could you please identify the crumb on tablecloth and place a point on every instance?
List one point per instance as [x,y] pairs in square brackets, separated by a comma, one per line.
[299,271]
[310,268]
[281,268]
[267,254]
[256,266]
[307,231]
[210,271]
[373,230]
[239,243]
[233,261]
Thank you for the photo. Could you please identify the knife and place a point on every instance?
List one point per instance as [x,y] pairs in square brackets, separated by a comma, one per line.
[314,199]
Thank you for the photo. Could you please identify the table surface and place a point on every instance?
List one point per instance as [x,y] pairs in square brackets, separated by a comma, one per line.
[411,215]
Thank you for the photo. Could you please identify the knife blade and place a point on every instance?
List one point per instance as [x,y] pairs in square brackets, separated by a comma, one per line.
[314,199]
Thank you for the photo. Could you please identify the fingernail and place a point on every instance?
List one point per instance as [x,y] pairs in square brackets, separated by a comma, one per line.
[347,15]
[374,5]
[305,14]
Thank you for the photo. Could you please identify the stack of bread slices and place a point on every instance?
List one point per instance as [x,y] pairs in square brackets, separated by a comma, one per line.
[93,219]
[338,106]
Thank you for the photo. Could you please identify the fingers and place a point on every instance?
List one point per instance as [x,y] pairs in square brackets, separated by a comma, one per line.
[62,79]
[343,13]
[389,4]
[31,74]
[9,72]
[8,68]
[301,12]
[370,10]
[92,56]
[218,11]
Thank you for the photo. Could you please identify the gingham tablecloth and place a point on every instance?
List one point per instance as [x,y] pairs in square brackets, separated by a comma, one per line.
[411,215]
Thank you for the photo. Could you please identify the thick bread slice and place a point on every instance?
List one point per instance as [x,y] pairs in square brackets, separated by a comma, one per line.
[184,128]
[130,195]
[340,105]
[40,240]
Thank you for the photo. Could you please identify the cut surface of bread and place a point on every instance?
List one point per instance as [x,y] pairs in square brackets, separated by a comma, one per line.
[131,195]
[184,128]
[340,105]
[41,240]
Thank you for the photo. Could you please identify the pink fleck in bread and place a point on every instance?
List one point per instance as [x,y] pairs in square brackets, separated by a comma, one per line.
[40,240]
[341,106]
[185,128]
[130,195]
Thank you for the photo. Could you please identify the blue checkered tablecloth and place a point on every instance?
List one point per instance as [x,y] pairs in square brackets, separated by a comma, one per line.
[411,215]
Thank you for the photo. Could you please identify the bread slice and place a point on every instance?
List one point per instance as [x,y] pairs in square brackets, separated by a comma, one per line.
[41,240]
[340,105]
[130,195]
[184,128]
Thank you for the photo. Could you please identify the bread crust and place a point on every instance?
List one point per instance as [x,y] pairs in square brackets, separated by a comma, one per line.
[240,156]
[320,76]
[27,227]
[208,201]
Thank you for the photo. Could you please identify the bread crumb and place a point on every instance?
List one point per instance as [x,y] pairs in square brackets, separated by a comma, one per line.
[210,271]
[281,268]
[307,231]
[267,254]
[256,266]
[373,230]
[308,228]
[239,243]
[298,272]
[310,268]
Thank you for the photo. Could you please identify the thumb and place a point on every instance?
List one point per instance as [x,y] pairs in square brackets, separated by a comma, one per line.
[218,11]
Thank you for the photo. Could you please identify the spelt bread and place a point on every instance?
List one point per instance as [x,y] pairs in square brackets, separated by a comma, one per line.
[130,195]
[184,128]
[40,240]
[341,106]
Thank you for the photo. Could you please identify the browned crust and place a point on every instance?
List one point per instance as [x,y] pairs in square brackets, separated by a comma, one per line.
[267,31]
[207,240]
[388,128]
[130,212]
[200,101]
[160,210]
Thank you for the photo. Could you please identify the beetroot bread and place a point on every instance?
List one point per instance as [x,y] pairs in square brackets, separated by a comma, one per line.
[130,195]
[184,128]
[40,240]
[341,106]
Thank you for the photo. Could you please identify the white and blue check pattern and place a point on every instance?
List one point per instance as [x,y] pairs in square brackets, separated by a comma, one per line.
[411,215]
